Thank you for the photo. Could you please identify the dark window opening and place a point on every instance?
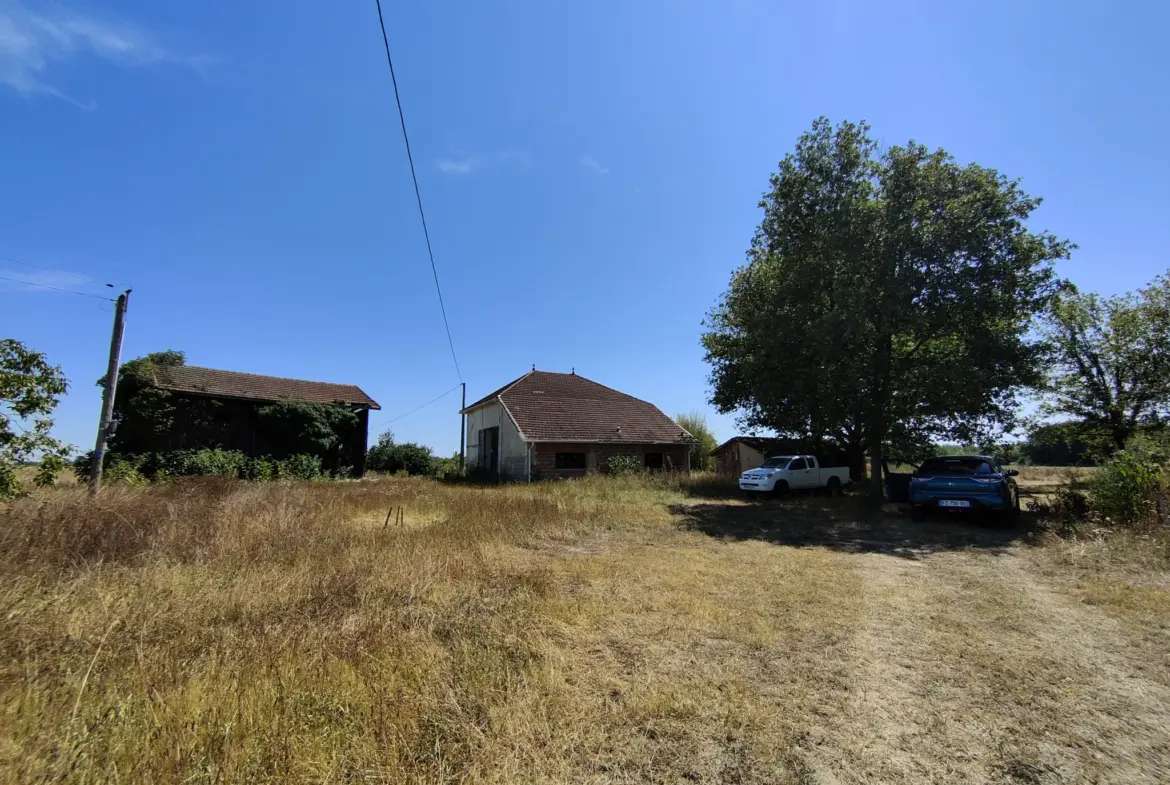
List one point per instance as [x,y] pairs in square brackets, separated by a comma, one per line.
[798,465]
[570,460]
[653,460]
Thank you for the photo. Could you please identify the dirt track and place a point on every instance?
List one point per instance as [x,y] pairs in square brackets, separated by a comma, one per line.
[887,651]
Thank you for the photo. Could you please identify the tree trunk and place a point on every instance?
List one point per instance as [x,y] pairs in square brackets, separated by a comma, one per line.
[1120,436]
[855,456]
[877,491]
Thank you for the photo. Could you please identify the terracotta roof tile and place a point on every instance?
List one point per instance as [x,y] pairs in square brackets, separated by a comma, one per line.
[566,407]
[192,379]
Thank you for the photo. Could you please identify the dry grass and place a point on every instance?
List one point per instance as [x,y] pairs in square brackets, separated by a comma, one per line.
[598,631]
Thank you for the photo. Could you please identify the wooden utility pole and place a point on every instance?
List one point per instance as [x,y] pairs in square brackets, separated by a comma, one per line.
[463,431]
[95,468]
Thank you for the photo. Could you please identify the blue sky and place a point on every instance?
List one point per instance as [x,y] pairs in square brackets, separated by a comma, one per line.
[590,172]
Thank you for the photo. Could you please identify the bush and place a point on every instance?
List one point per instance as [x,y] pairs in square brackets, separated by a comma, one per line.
[300,467]
[1064,511]
[1126,488]
[392,458]
[622,464]
[136,469]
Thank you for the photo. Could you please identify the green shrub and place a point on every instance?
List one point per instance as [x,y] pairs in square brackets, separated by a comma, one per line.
[9,483]
[393,458]
[134,469]
[1125,488]
[622,464]
[300,467]
[258,469]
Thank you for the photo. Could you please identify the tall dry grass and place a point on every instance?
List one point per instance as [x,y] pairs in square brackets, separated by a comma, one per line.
[214,631]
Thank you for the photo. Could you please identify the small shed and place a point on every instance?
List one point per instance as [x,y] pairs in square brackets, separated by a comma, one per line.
[741,453]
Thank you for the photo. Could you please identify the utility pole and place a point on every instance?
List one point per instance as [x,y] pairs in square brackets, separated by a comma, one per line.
[463,431]
[95,469]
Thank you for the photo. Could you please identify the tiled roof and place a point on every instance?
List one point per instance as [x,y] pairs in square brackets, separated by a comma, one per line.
[565,407]
[252,387]
[762,444]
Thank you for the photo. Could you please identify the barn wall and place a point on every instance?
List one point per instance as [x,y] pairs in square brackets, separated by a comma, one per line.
[513,450]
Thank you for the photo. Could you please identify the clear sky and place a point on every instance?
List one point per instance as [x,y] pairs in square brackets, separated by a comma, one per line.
[591,172]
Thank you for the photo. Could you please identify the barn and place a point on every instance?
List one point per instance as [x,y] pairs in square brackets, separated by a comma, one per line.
[215,408]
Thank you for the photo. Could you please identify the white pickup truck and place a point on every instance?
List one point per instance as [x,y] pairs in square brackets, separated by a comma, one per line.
[783,473]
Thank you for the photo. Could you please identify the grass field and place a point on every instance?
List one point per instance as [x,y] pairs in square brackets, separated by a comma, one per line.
[608,630]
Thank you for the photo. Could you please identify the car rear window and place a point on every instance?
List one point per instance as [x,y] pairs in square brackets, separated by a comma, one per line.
[955,465]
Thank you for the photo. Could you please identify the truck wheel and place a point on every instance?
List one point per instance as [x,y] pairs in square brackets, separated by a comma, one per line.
[834,486]
[781,488]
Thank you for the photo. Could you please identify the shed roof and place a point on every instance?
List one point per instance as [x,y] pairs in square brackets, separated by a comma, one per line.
[214,383]
[565,407]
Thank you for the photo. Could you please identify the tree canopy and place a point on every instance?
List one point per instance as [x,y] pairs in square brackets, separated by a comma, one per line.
[29,391]
[393,457]
[1110,364]
[886,299]
[696,424]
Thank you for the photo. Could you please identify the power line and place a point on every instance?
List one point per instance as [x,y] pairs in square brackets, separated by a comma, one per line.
[56,288]
[425,405]
[417,193]
[58,272]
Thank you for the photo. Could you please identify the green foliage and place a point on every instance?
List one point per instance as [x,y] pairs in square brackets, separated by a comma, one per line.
[622,464]
[310,428]
[9,482]
[886,301]
[390,457]
[1111,359]
[29,392]
[212,462]
[1123,491]
[145,414]
[695,423]
[1065,509]
[443,467]
[299,467]
[48,470]
[1057,444]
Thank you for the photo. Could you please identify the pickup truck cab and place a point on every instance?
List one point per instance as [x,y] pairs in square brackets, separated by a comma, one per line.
[783,473]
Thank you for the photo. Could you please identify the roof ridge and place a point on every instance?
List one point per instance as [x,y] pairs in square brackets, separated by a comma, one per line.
[584,379]
[256,375]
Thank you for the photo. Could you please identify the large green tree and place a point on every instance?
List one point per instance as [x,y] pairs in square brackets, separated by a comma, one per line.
[886,300]
[1110,359]
[29,391]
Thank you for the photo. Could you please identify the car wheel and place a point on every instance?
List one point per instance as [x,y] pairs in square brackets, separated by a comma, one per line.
[781,488]
[834,486]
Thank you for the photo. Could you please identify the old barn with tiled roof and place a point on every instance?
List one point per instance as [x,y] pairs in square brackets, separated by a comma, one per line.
[216,408]
[562,425]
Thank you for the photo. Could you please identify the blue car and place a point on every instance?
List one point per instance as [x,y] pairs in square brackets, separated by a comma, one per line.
[964,483]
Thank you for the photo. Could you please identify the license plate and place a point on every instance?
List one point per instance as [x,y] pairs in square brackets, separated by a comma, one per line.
[954,503]
[749,484]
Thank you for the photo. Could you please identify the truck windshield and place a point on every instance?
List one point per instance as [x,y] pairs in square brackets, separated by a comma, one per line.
[776,463]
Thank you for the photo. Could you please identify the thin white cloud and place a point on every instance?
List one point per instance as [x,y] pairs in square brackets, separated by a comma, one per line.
[590,163]
[469,164]
[459,166]
[31,42]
